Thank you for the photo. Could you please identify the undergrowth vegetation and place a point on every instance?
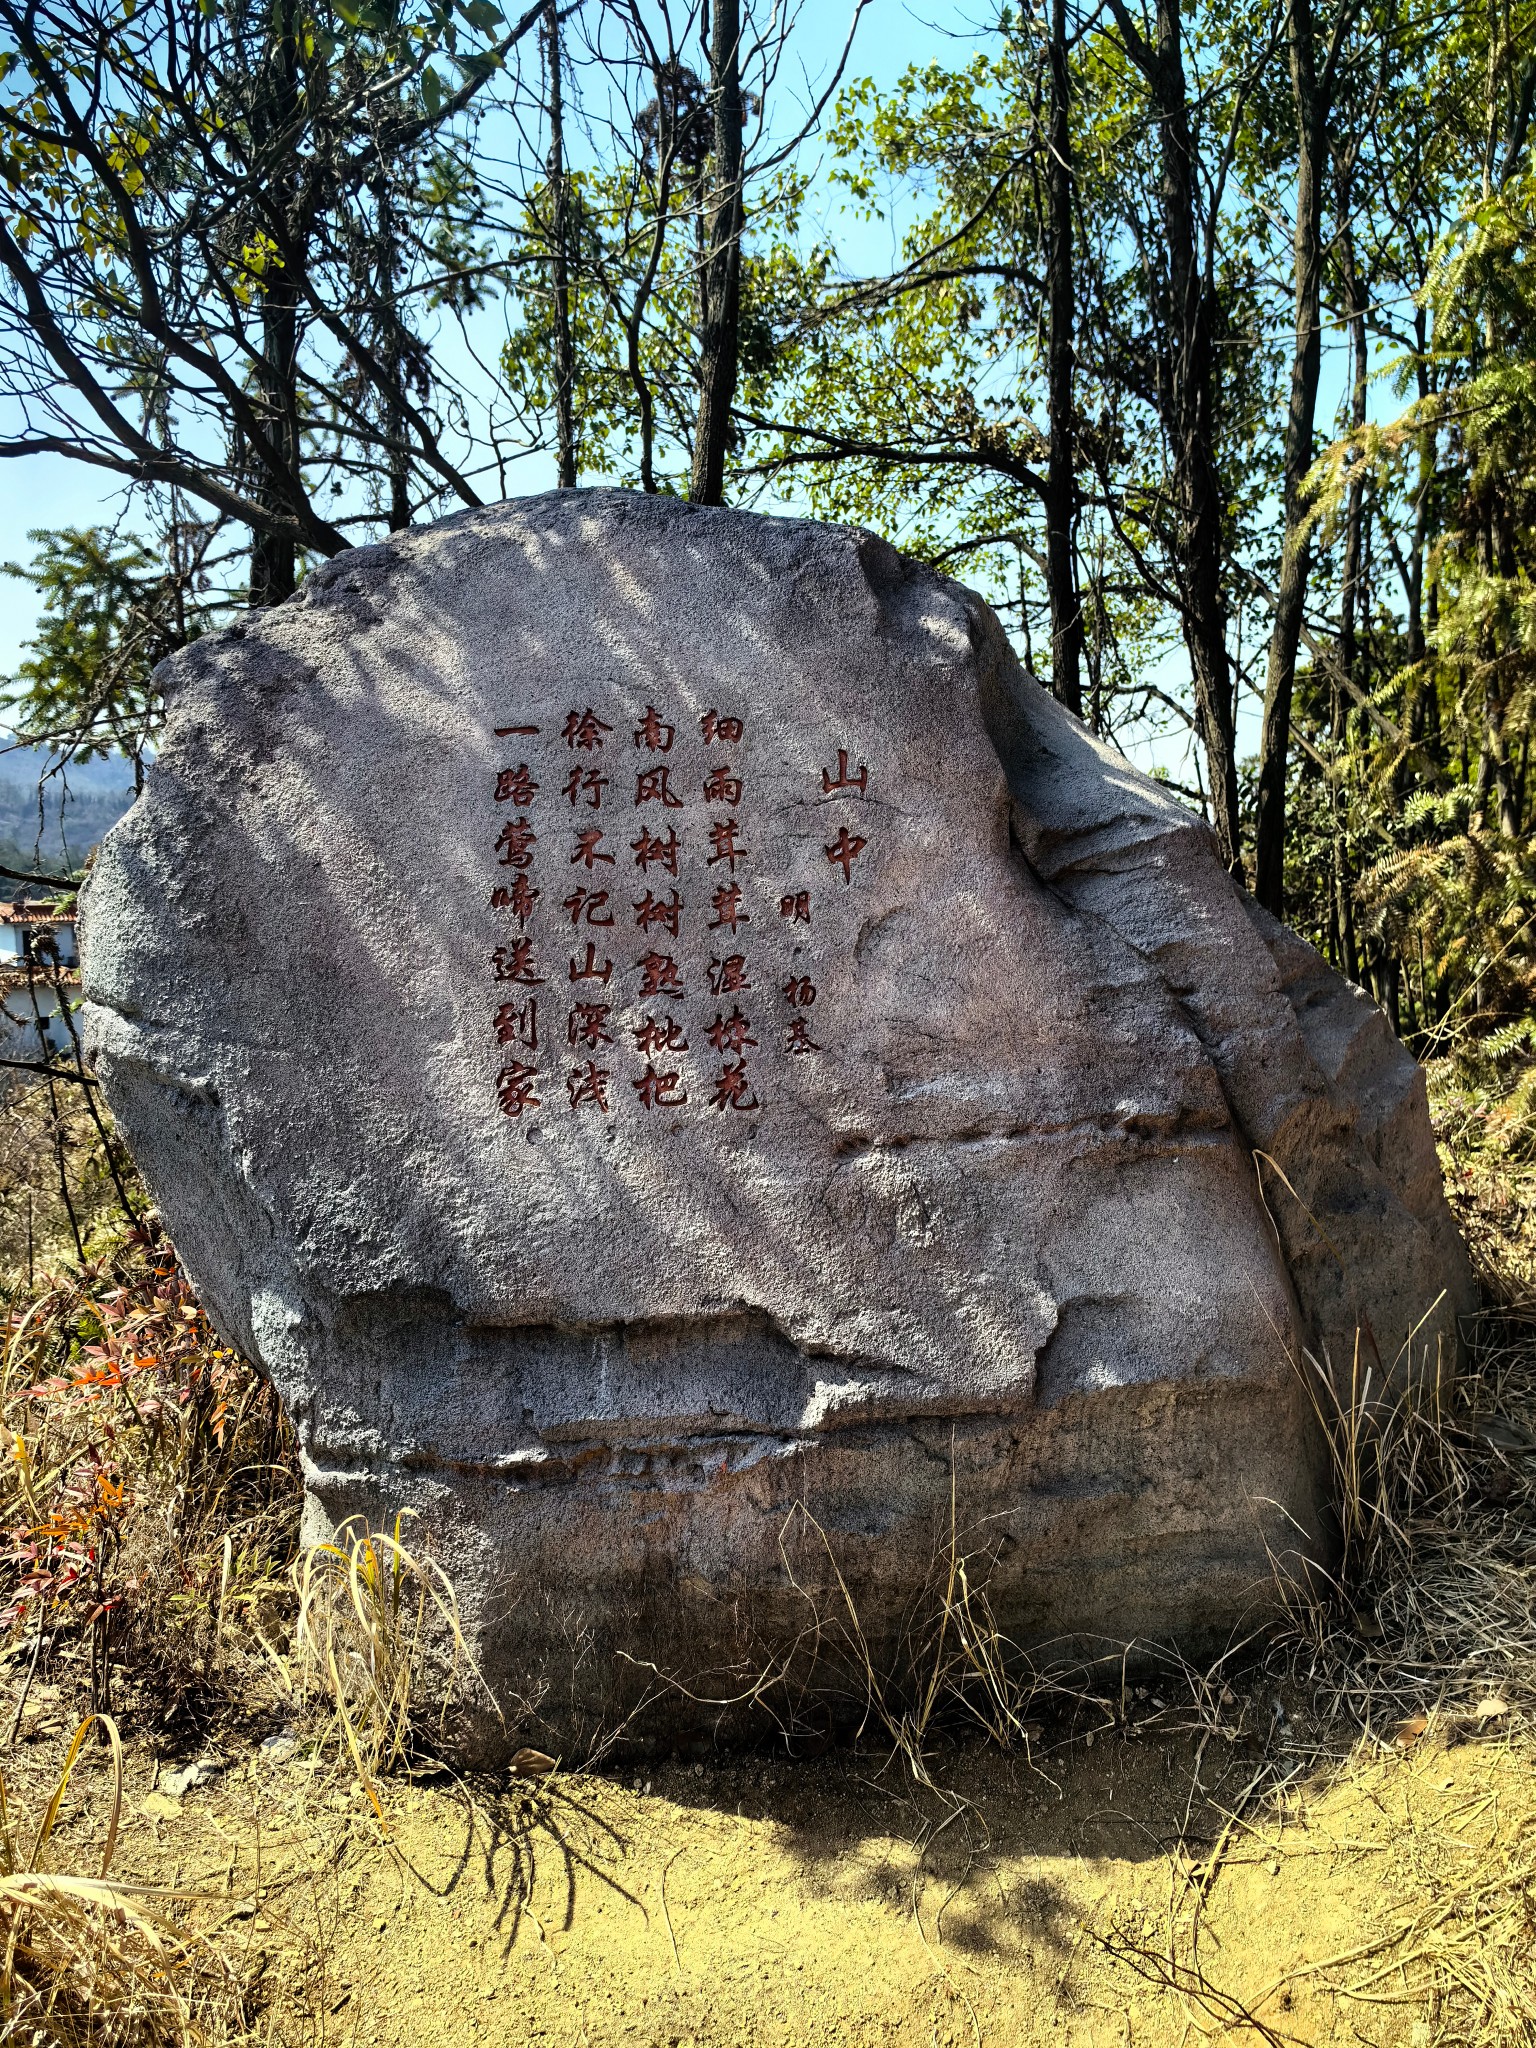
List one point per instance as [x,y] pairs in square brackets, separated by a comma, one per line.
[151,1574]
[375,1621]
[1432,1606]
[151,1497]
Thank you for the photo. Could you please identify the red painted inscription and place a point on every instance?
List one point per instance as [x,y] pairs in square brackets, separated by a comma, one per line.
[587,1025]
[653,786]
[665,911]
[846,848]
[515,963]
[589,1084]
[649,848]
[654,732]
[585,782]
[585,729]
[660,975]
[515,1089]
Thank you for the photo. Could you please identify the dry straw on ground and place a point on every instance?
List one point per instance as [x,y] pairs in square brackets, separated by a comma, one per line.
[87,1961]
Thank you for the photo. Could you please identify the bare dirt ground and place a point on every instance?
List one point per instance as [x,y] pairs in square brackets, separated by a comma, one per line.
[1094,1896]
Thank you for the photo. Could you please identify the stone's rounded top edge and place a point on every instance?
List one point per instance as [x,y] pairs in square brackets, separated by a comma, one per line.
[1079,799]
[886,567]
[543,509]
[369,569]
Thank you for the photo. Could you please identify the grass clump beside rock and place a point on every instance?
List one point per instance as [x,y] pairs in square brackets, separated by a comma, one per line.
[374,1618]
[1432,1607]
[151,1506]
[151,1575]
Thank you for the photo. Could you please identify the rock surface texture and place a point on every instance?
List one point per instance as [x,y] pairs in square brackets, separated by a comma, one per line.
[670,1050]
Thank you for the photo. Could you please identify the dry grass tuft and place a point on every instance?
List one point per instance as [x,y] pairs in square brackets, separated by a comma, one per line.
[88,1962]
[954,1669]
[378,1625]
[1432,1608]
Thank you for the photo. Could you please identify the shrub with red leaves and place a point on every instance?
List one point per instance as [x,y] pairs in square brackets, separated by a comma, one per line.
[151,1500]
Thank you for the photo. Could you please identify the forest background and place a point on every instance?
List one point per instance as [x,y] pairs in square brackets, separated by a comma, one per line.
[1203,342]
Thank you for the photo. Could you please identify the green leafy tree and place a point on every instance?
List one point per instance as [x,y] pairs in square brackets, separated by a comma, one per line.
[111,610]
[1420,717]
[932,403]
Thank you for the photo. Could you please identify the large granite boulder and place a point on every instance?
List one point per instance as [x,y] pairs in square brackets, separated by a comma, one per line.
[644,1019]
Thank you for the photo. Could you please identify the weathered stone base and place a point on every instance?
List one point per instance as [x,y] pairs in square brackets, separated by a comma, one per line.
[632,1599]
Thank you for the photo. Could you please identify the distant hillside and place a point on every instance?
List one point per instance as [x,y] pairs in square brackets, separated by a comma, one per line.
[53,821]
[26,764]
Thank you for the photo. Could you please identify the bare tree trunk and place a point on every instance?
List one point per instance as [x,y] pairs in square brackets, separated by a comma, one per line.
[1306,361]
[1354,514]
[1186,377]
[1095,637]
[1434,737]
[565,361]
[391,356]
[1424,708]
[1389,992]
[1061,504]
[1497,743]
[1416,641]
[720,270]
[1341,908]
[1495,771]
[274,558]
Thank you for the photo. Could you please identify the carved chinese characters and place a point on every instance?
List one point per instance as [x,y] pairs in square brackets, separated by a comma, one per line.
[654,968]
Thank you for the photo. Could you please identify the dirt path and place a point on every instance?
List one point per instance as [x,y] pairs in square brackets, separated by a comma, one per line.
[810,1903]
